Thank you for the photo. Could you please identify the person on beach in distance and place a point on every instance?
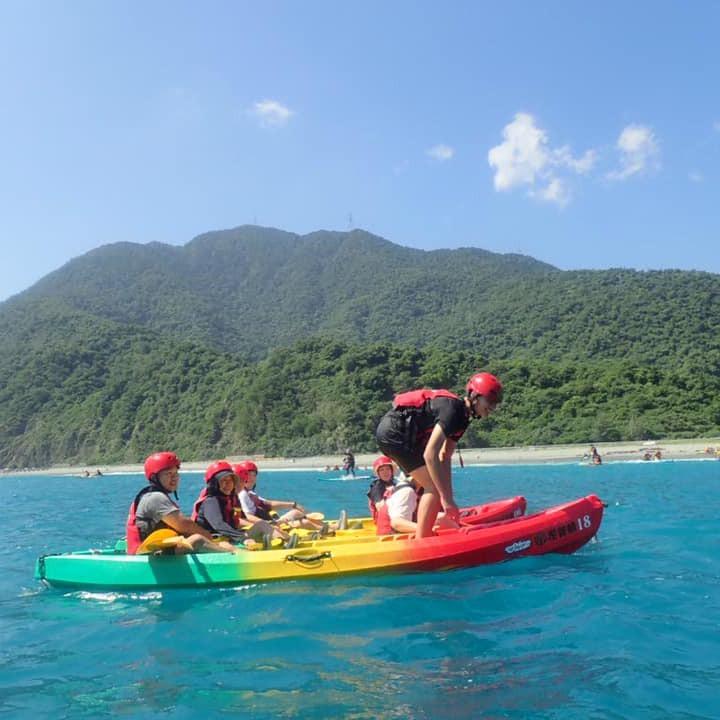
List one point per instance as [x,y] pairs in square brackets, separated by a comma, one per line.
[595,458]
[154,516]
[420,434]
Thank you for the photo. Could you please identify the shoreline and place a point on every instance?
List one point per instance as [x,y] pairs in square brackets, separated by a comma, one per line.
[525,455]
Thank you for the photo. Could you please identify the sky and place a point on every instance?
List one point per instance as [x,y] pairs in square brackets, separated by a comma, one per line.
[585,135]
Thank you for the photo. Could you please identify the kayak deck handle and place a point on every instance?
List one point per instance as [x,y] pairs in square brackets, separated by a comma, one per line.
[309,559]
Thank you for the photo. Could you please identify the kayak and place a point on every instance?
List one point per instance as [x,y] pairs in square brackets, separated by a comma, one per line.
[346,477]
[560,529]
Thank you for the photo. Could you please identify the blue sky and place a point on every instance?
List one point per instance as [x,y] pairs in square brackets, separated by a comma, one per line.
[585,135]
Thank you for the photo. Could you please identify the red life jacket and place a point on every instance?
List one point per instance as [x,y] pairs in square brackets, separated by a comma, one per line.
[228,506]
[371,503]
[417,398]
[133,538]
[263,509]
[383,524]
[196,506]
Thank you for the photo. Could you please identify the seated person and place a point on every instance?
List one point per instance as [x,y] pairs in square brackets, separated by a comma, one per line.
[384,471]
[399,511]
[257,508]
[218,510]
[154,517]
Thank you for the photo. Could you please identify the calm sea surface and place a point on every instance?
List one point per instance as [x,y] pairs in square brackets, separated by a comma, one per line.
[629,627]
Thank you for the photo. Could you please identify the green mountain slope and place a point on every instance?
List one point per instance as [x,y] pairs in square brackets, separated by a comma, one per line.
[78,389]
[252,289]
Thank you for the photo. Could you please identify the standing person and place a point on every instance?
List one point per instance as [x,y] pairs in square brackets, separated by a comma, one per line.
[154,516]
[595,458]
[420,434]
[349,463]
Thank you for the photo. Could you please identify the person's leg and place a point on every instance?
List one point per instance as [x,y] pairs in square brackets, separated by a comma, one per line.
[444,521]
[429,504]
[295,519]
[198,543]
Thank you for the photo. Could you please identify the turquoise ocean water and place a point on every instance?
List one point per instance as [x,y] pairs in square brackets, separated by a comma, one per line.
[629,627]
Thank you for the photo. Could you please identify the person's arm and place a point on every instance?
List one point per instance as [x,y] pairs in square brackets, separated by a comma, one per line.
[184,525]
[440,470]
[213,515]
[290,504]
[251,519]
[447,450]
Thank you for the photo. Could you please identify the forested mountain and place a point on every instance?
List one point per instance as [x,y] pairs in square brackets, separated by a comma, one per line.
[252,289]
[256,340]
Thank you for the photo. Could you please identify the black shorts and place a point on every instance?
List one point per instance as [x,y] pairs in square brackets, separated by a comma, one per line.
[396,437]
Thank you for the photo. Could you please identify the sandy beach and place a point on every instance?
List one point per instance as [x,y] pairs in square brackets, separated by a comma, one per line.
[698,449]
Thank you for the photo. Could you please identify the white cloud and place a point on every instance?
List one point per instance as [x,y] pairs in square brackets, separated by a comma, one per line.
[441,152]
[525,158]
[581,165]
[639,151]
[271,113]
[555,192]
[695,176]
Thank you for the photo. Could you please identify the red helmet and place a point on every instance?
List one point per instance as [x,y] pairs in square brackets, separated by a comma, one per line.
[243,469]
[216,467]
[159,461]
[486,385]
[381,462]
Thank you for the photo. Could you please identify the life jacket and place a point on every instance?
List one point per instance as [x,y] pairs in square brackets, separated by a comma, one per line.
[229,504]
[196,507]
[417,398]
[377,482]
[383,524]
[263,509]
[133,537]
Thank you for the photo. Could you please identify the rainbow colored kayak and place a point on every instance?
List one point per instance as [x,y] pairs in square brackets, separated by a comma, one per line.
[560,529]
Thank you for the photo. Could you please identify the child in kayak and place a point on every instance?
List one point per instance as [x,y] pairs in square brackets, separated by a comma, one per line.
[257,508]
[155,518]
[384,471]
[420,434]
[218,510]
[396,510]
